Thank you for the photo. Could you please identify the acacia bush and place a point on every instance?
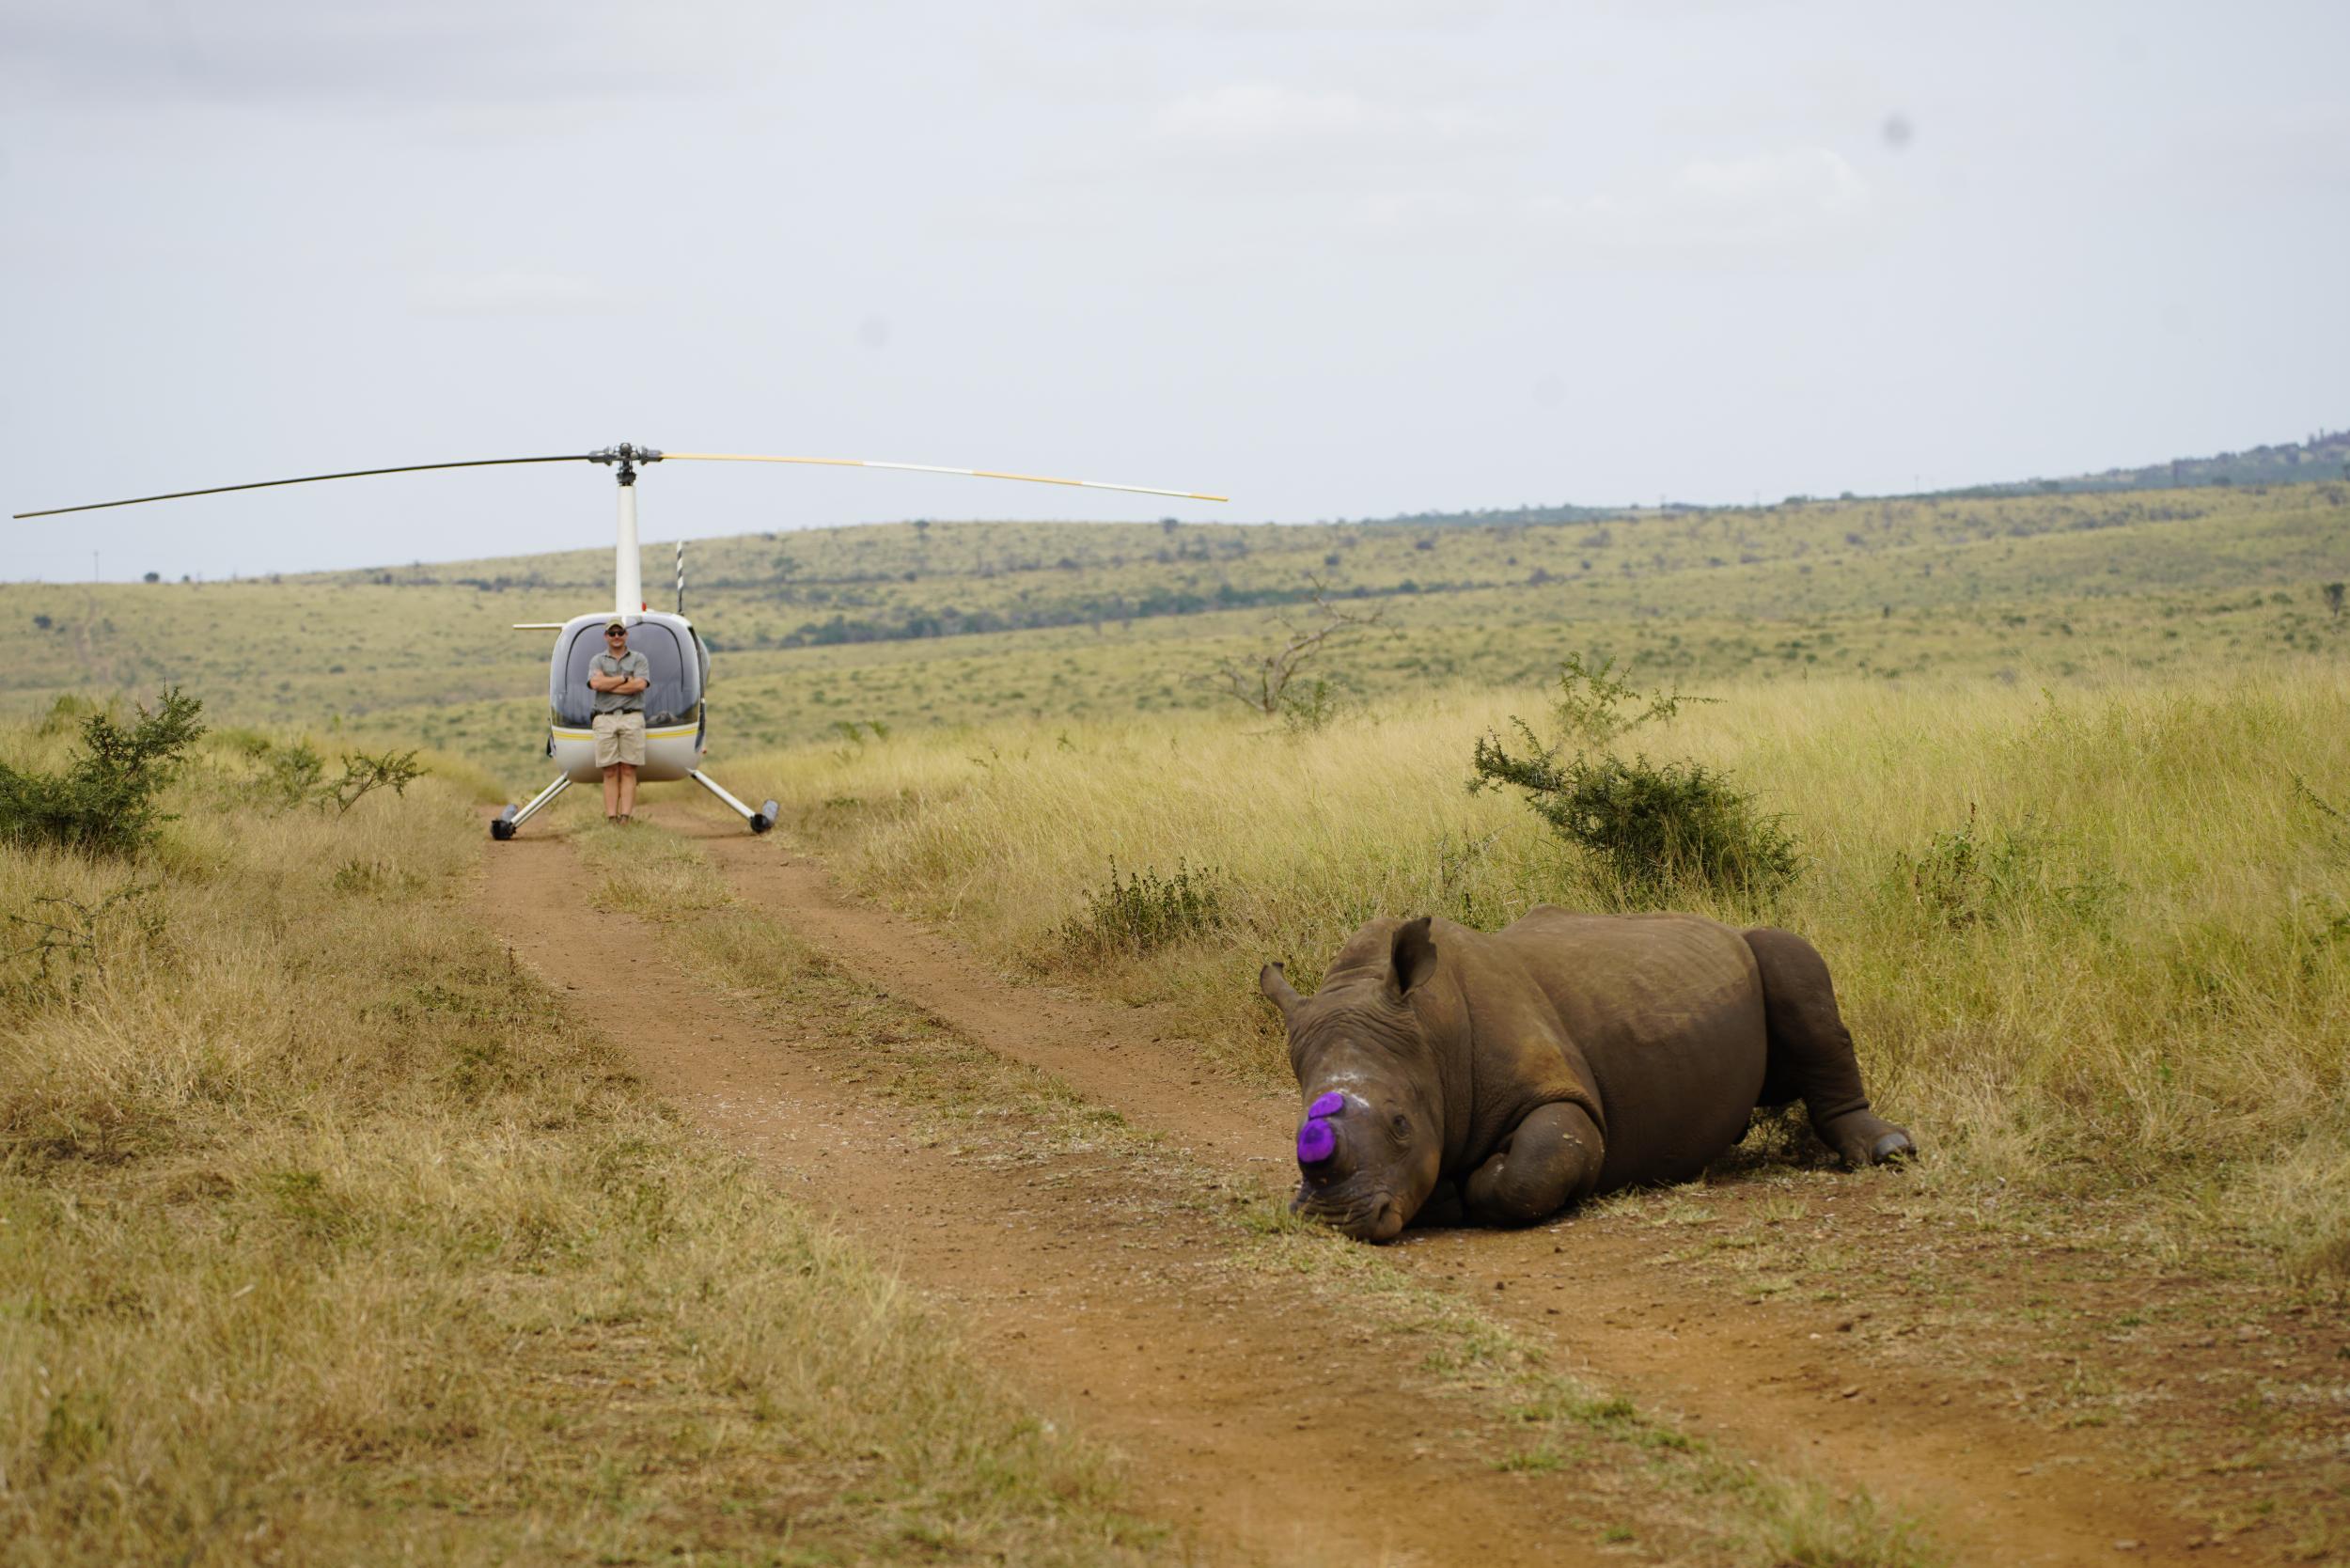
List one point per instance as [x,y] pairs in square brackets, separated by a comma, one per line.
[293,773]
[106,801]
[1975,875]
[1652,827]
[1594,705]
[364,773]
[1137,914]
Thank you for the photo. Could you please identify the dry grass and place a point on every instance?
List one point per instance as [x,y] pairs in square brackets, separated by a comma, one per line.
[2088,938]
[325,1234]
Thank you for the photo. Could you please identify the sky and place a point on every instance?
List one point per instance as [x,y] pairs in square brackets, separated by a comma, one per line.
[1331,260]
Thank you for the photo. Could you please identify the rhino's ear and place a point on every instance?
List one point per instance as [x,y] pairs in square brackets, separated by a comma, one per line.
[1277,989]
[1413,958]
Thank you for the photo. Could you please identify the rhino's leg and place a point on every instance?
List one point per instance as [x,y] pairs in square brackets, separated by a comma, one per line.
[1811,1054]
[1551,1157]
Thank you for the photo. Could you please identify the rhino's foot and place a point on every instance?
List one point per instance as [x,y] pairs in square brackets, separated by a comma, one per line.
[1864,1138]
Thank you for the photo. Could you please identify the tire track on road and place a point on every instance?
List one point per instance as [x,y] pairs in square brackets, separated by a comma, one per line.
[1114,1307]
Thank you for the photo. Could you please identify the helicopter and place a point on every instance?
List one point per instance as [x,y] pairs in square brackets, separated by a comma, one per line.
[677,710]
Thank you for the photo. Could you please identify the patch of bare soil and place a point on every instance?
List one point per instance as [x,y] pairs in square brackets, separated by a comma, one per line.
[2033,1404]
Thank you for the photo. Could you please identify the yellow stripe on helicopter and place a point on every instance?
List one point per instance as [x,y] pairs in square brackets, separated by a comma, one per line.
[666,733]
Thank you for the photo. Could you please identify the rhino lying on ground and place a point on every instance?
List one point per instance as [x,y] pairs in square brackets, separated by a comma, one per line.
[1500,1076]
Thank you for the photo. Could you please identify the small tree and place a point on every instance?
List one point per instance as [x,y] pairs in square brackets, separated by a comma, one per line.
[1270,683]
[2333,598]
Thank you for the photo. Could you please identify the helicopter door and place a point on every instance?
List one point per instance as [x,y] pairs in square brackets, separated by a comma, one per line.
[674,695]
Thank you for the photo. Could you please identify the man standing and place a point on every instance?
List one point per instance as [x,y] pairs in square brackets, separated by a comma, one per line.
[619,679]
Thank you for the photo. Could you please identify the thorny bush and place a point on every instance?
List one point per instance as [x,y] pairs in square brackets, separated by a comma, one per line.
[1652,827]
[104,802]
[1134,915]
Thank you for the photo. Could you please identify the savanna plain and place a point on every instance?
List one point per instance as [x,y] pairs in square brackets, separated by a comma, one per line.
[906,1186]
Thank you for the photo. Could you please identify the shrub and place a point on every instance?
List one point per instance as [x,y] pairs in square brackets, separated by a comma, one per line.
[1593,707]
[1264,681]
[364,773]
[1309,710]
[1980,876]
[1654,825]
[1134,915]
[68,710]
[104,802]
[1651,826]
[289,773]
[295,774]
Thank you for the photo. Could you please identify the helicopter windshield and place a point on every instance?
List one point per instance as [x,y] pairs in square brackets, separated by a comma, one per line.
[674,695]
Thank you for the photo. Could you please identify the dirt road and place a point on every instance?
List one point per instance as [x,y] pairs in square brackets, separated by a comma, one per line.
[1265,1421]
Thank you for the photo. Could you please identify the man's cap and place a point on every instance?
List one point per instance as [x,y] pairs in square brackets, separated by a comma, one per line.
[616,626]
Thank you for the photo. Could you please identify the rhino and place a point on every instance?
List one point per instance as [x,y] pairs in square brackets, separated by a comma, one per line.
[1453,1075]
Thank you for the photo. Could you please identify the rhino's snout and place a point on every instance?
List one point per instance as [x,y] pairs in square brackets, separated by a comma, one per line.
[1376,1218]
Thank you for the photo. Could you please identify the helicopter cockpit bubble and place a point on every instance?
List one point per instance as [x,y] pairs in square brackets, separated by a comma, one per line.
[670,646]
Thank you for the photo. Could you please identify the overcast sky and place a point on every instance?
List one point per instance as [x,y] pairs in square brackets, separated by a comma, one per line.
[1336,260]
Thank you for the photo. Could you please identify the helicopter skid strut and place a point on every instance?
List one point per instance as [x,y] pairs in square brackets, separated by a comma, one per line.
[760,821]
[502,826]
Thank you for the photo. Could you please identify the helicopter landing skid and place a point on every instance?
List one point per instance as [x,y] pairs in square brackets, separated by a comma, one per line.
[502,826]
[760,821]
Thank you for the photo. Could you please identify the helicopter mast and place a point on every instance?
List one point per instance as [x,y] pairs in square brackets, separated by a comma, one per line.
[628,561]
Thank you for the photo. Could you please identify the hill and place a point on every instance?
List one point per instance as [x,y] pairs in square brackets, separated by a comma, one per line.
[957,623]
[2324,455]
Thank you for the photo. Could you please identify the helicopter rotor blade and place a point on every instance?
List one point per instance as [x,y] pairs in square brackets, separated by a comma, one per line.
[931,468]
[307,478]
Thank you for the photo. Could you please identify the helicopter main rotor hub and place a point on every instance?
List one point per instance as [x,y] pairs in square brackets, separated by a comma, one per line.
[628,456]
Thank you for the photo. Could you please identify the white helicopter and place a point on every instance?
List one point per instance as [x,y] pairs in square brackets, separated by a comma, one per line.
[677,711]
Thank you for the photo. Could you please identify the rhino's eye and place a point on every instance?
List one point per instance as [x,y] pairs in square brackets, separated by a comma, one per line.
[1400,1125]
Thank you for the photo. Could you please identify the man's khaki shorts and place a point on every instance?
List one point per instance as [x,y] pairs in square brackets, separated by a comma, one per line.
[619,738]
